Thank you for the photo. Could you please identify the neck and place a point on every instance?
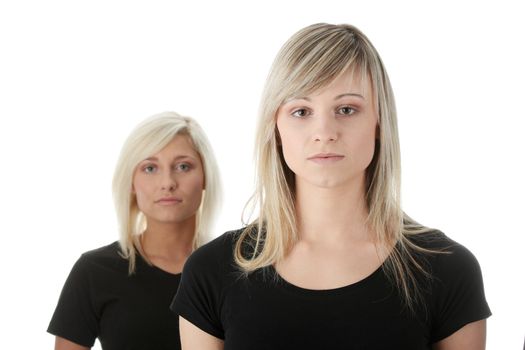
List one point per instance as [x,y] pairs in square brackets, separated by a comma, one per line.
[331,215]
[169,240]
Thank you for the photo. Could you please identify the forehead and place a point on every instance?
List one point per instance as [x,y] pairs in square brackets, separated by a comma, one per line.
[351,81]
[180,145]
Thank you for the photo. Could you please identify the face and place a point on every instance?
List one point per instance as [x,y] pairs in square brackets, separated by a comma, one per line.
[328,137]
[168,185]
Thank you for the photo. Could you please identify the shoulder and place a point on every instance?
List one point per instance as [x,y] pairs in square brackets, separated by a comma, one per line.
[457,296]
[432,239]
[218,251]
[446,257]
[108,256]
[208,271]
[213,263]
[107,251]
[206,277]
[78,311]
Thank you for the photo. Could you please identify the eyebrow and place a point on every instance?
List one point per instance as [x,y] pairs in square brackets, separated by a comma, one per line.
[351,94]
[176,158]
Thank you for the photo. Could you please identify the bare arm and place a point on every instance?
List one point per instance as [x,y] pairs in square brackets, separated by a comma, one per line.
[193,338]
[64,344]
[472,336]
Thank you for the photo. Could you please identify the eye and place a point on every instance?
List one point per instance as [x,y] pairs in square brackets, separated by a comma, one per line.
[300,113]
[149,169]
[183,167]
[346,110]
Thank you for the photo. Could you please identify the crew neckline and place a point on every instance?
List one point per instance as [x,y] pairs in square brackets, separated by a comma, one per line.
[355,286]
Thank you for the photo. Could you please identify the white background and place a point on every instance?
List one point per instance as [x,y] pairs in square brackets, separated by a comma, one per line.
[76,77]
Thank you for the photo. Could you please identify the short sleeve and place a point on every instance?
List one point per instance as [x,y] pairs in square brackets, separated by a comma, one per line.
[198,298]
[459,296]
[75,318]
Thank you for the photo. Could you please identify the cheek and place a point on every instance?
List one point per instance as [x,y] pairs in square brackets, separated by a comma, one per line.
[290,145]
[195,197]
[141,189]
[290,154]
[366,147]
[140,200]
[195,185]
[140,195]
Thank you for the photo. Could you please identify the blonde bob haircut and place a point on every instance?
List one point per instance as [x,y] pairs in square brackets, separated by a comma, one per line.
[148,138]
[311,59]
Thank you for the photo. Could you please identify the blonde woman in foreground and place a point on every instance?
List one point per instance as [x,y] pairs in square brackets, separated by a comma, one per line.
[332,262]
[166,191]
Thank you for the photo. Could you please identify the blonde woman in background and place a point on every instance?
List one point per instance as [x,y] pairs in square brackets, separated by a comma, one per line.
[332,262]
[166,190]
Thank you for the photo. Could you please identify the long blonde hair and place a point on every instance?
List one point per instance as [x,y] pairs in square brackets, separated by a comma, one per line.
[311,59]
[148,138]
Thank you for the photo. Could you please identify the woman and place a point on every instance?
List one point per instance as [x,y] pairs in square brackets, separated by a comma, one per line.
[332,261]
[166,191]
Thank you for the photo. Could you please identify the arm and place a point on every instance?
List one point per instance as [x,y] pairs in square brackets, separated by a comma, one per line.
[193,338]
[74,320]
[64,344]
[469,337]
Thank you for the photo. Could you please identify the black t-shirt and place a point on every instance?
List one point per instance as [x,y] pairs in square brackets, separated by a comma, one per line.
[263,311]
[100,300]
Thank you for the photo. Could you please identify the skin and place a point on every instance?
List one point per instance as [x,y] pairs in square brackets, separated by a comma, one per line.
[176,172]
[193,338]
[472,336]
[168,187]
[64,344]
[339,120]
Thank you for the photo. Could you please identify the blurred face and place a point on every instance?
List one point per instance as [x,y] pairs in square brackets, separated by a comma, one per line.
[168,185]
[328,137]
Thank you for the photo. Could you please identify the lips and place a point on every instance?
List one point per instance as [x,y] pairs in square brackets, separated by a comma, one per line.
[324,158]
[168,201]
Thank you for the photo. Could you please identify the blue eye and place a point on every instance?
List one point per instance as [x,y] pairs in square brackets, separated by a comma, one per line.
[300,113]
[149,169]
[183,167]
[346,110]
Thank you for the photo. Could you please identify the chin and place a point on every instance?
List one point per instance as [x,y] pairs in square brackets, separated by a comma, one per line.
[170,219]
[327,183]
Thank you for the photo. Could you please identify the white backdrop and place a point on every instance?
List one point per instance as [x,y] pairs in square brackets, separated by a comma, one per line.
[76,77]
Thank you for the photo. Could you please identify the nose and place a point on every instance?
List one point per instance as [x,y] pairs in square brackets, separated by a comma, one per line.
[326,129]
[168,182]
